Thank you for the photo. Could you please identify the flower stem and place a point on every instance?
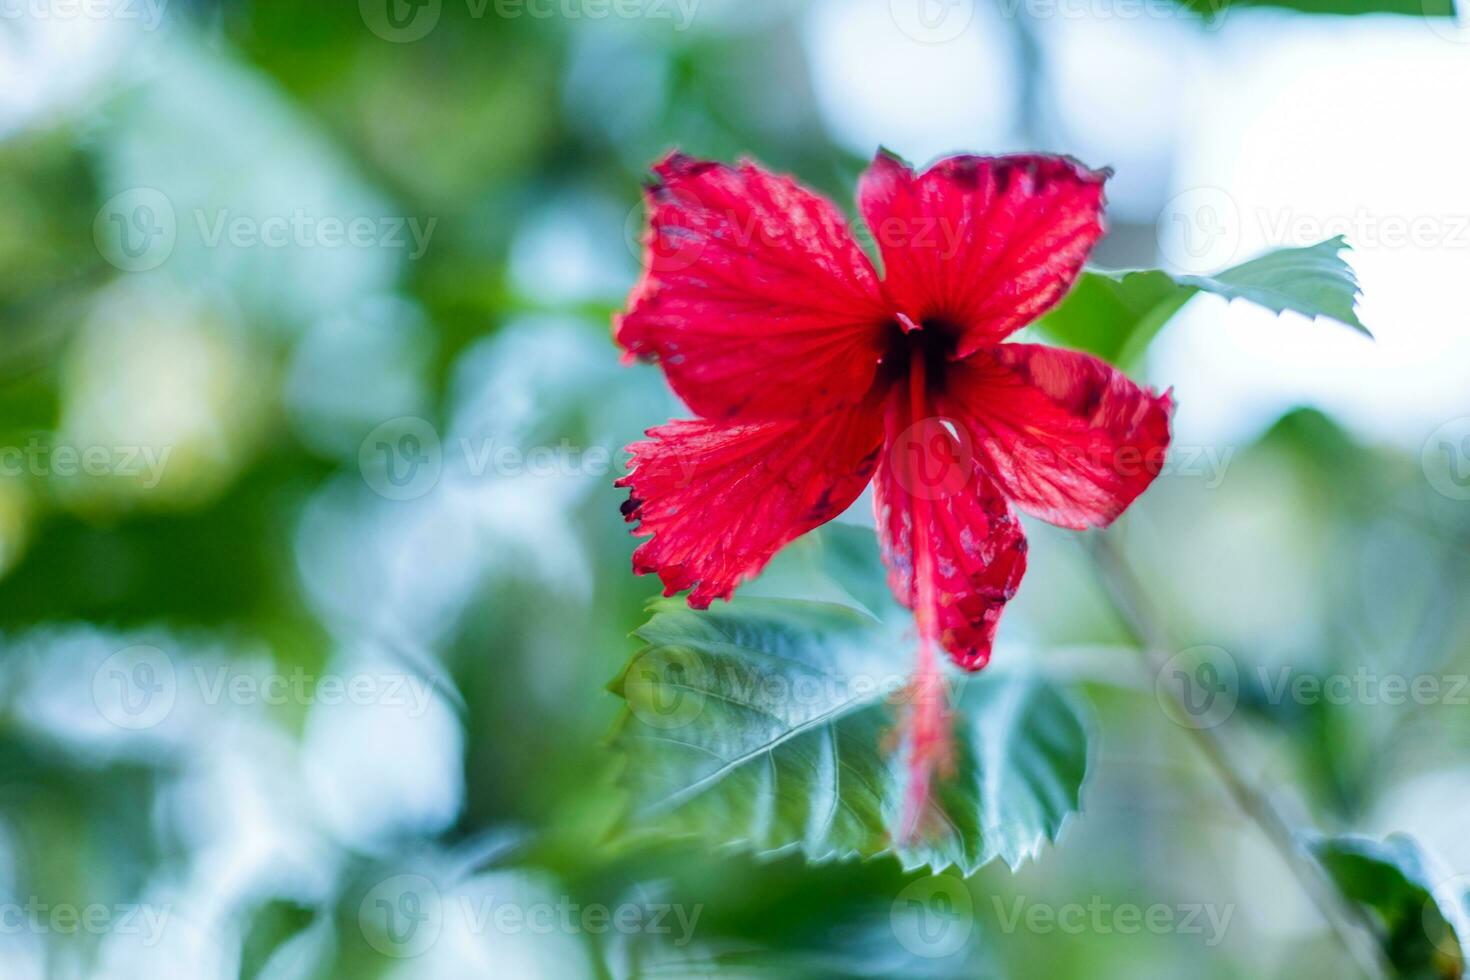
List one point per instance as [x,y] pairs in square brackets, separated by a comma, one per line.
[1346,919]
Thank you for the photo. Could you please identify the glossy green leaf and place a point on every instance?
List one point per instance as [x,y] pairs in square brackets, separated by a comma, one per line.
[1116,315]
[1217,11]
[1420,913]
[1313,281]
[771,724]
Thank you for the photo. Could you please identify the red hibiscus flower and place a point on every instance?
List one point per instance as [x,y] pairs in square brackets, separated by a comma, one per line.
[811,377]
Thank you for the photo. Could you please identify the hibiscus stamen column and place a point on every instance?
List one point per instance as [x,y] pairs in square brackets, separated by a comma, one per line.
[928,736]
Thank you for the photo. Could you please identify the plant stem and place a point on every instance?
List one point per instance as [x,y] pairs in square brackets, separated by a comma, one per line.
[1346,919]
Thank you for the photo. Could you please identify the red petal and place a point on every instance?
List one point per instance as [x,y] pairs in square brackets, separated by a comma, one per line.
[720,499]
[983,245]
[755,296]
[1066,436]
[927,480]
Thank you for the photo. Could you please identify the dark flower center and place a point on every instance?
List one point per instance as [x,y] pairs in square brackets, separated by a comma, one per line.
[934,341]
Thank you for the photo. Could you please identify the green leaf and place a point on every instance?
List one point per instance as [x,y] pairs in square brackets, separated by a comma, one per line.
[837,563]
[1421,913]
[1116,315]
[1217,10]
[1115,318]
[1313,281]
[771,724]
